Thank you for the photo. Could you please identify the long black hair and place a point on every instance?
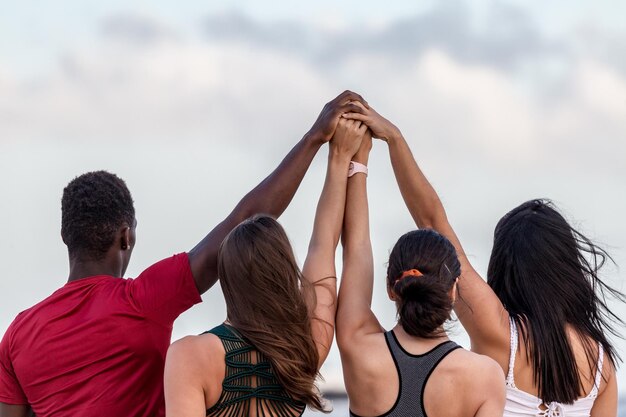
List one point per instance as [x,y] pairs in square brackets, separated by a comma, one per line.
[424,302]
[546,275]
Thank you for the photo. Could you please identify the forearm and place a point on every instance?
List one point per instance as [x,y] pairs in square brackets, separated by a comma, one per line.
[274,193]
[271,196]
[356,234]
[420,197]
[357,247]
[354,314]
[330,208]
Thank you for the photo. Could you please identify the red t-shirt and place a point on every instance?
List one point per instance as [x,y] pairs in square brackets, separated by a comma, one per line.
[96,347]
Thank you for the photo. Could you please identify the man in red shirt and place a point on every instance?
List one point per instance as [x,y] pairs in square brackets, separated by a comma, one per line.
[96,346]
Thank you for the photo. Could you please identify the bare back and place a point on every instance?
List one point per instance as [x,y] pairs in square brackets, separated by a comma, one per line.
[597,379]
[392,373]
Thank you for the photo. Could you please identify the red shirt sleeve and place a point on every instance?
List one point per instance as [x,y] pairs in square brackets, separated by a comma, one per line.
[10,390]
[164,290]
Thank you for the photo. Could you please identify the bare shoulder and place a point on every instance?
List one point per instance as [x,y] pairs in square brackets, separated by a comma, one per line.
[608,375]
[365,348]
[488,384]
[465,383]
[483,377]
[478,369]
[370,374]
[195,352]
[192,375]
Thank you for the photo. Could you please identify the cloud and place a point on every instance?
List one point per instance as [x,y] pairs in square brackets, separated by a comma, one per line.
[479,92]
[136,28]
[594,41]
[508,37]
[164,90]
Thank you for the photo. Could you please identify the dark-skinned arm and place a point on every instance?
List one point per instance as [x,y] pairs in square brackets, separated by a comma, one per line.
[274,193]
[479,309]
[11,410]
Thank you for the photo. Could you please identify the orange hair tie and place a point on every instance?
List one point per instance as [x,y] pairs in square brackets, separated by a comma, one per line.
[410,273]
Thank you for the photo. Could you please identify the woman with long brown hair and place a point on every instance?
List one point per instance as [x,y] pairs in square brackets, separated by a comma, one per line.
[264,359]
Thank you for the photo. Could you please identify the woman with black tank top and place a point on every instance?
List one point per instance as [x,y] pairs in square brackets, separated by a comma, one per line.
[264,359]
[414,369]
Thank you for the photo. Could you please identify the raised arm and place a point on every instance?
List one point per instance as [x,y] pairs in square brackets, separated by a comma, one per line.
[478,308]
[319,266]
[274,193]
[354,314]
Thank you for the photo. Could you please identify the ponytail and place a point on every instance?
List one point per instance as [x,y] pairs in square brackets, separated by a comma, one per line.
[423,267]
[424,305]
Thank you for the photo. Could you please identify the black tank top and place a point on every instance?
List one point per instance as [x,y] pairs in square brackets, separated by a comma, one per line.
[413,373]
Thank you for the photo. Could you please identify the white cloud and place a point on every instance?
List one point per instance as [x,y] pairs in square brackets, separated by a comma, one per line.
[603,89]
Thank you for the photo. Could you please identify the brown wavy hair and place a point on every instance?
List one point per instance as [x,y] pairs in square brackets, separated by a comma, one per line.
[267,301]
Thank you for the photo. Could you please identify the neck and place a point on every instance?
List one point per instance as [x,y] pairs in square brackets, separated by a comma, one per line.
[80,269]
[442,336]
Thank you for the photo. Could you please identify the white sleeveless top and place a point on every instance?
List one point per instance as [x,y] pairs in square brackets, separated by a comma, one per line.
[523,404]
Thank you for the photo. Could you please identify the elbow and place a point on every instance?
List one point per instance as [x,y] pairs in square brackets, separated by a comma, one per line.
[434,221]
[324,244]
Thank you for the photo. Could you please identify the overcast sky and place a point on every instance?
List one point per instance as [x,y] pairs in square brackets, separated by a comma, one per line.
[500,101]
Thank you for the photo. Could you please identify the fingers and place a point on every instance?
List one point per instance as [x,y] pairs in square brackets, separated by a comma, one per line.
[348,96]
[359,104]
[350,108]
[348,127]
[356,116]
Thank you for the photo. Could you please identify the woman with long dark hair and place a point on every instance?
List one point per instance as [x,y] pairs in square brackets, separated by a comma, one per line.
[264,359]
[542,315]
[414,369]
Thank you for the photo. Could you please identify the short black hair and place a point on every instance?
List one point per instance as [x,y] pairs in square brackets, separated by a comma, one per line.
[94,205]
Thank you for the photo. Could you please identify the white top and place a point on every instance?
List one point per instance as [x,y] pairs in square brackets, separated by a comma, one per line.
[523,404]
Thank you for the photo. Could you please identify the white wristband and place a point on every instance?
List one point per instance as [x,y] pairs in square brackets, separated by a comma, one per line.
[356,167]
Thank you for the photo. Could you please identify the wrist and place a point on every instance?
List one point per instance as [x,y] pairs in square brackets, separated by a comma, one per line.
[338,156]
[314,138]
[361,157]
[357,168]
[394,137]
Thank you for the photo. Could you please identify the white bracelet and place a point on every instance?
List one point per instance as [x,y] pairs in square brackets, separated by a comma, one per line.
[356,167]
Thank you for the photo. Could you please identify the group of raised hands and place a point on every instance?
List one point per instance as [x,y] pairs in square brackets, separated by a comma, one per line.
[349,118]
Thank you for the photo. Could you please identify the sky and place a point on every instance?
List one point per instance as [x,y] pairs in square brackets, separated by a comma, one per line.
[500,101]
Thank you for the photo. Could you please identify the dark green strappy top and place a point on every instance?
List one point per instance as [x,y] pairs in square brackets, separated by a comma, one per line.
[246,380]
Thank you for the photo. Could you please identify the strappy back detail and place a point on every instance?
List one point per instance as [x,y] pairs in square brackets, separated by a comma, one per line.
[522,404]
[247,379]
